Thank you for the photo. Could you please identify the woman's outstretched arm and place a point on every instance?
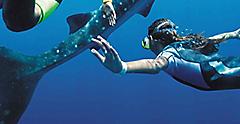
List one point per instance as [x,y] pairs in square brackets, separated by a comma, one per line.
[148,66]
[113,62]
[225,36]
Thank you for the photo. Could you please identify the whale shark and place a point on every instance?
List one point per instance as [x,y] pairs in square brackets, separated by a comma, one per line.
[20,74]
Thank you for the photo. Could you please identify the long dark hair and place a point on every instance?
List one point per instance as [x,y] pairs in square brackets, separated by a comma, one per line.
[199,43]
[194,41]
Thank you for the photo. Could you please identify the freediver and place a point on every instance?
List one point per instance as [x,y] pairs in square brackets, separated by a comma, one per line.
[21,15]
[191,59]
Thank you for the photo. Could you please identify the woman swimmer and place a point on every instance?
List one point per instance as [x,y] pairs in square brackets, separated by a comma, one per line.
[21,15]
[180,57]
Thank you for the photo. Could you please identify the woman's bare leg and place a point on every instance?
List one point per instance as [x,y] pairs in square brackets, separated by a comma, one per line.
[21,15]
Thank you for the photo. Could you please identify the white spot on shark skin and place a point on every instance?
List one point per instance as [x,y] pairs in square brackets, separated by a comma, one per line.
[45,53]
[6,112]
[57,51]
[64,55]
[103,28]
[87,26]
[125,9]
[76,46]
[97,21]
[120,3]
[55,60]
[104,16]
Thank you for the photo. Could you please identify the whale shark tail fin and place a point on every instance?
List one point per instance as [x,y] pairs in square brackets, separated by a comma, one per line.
[18,79]
[77,21]
[145,12]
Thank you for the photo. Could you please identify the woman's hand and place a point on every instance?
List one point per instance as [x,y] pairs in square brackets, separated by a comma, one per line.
[110,58]
[238,33]
[109,13]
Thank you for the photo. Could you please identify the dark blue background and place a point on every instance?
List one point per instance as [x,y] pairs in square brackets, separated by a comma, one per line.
[82,91]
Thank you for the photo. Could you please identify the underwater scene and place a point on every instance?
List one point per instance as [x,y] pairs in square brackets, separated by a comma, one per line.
[167,62]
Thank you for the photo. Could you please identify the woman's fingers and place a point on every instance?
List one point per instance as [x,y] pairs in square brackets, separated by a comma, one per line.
[104,43]
[99,43]
[100,38]
[108,48]
[111,21]
[112,14]
[105,46]
[107,11]
[98,55]
[113,18]
[111,51]
[115,53]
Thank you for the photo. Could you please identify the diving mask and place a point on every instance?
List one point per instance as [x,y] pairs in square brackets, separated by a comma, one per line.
[163,33]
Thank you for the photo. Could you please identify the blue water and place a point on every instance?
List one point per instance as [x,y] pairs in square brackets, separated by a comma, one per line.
[82,91]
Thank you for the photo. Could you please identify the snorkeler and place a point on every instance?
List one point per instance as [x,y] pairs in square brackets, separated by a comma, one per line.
[191,60]
[21,15]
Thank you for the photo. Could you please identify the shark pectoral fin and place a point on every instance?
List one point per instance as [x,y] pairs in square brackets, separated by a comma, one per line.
[146,10]
[78,21]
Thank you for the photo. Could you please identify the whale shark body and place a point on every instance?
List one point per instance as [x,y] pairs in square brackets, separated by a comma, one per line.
[20,74]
